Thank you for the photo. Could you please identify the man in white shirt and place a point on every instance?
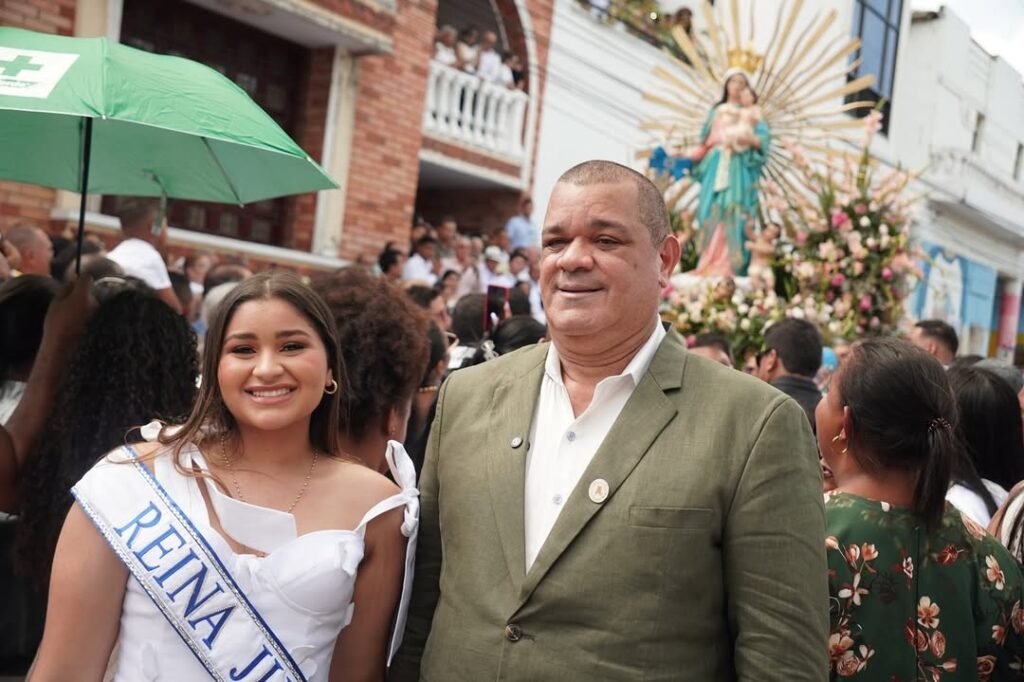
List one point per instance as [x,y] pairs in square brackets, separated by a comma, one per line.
[138,254]
[609,506]
[489,68]
[495,270]
[522,231]
[444,46]
[420,266]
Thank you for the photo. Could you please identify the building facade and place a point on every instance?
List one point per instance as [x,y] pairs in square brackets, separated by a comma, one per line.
[354,83]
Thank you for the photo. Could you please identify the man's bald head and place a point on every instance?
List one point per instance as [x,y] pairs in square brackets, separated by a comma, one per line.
[651,207]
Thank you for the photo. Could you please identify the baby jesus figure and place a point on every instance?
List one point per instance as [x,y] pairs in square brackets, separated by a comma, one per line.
[733,127]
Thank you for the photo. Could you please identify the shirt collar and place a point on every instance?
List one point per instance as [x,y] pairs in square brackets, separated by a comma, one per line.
[637,365]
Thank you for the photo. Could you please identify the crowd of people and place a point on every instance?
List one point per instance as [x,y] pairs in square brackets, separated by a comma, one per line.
[584,477]
[477,53]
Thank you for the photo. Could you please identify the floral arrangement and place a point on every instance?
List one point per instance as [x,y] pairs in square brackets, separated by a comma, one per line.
[844,259]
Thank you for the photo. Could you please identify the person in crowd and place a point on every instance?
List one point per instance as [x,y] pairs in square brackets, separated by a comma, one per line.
[466,53]
[917,590]
[517,331]
[62,267]
[139,253]
[842,350]
[468,327]
[35,248]
[9,259]
[683,18]
[790,359]
[519,266]
[197,265]
[511,73]
[97,267]
[23,305]
[589,505]
[422,265]
[207,309]
[990,430]
[223,273]
[501,240]
[392,264]
[447,234]
[266,508]
[522,231]
[431,300]
[118,378]
[936,338]
[444,46]
[448,285]
[384,348]
[714,347]
[1008,373]
[468,267]
[65,319]
[421,413]
[495,269]
[489,59]
[183,290]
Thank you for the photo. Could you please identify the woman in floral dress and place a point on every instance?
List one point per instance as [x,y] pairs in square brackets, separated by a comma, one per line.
[917,591]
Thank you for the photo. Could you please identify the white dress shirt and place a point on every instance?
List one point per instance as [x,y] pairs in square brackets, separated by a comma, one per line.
[490,66]
[562,444]
[140,259]
[419,269]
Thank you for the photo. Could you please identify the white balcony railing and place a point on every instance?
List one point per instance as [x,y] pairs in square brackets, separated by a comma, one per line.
[464,109]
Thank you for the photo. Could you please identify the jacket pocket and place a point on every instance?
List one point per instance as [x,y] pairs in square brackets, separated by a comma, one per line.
[678,518]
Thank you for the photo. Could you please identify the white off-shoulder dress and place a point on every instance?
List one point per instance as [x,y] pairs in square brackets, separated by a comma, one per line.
[303,587]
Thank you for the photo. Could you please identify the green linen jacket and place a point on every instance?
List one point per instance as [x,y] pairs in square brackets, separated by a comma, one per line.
[705,562]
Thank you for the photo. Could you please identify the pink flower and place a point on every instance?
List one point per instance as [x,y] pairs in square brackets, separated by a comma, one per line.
[838,280]
[865,302]
[995,573]
[801,238]
[927,613]
[887,274]
[839,218]
[860,209]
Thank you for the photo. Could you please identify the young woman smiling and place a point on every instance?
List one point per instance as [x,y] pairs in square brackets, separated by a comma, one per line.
[258,551]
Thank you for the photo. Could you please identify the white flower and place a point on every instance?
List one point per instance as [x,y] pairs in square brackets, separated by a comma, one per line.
[745,324]
[834,326]
[883,229]
[798,313]
[743,309]
[871,242]
[865,221]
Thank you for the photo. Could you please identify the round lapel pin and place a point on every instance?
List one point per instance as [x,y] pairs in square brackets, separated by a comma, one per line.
[598,490]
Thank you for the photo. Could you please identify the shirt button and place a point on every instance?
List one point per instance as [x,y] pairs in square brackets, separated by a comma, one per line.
[557,499]
[513,632]
[571,436]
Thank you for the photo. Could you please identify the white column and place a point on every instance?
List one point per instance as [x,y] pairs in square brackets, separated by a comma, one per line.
[337,154]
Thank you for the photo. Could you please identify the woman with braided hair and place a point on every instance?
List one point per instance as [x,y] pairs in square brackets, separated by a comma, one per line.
[917,590]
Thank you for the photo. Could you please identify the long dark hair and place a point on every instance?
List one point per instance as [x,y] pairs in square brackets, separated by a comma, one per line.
[903,417]
[725,87]
[210,417]
[990,425]
[136,361]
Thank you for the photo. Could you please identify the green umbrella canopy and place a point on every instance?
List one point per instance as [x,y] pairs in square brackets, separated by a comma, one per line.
[159,124]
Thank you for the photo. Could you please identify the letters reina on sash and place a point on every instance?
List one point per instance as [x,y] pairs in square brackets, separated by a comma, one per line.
[189,585]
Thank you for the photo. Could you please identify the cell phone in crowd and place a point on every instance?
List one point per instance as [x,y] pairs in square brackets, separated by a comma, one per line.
[494,311]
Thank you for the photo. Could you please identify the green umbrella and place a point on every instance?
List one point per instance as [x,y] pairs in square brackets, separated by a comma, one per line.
[94,116]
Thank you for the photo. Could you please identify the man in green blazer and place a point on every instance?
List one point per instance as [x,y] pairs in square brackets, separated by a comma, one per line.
[609,506]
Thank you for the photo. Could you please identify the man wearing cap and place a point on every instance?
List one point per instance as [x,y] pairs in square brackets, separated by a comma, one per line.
[495,269]
[609,506]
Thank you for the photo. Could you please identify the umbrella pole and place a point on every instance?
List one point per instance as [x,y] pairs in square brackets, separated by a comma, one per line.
[86,157]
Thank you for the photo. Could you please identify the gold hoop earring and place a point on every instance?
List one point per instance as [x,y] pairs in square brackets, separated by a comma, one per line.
[331,388]
[836,440]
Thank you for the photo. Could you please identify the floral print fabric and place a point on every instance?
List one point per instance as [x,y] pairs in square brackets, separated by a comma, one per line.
[907,604]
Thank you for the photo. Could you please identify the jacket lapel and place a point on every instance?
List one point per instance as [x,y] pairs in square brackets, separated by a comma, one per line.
[511,416]
[642,419]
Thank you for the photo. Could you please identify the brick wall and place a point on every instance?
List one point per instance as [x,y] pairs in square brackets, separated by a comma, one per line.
[300,215]
[476,211]
[387,134]
[26,202]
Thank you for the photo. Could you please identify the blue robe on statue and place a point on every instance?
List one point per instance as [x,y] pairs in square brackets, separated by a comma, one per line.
[730,198]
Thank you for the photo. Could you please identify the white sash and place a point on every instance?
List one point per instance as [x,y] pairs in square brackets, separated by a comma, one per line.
[185,578]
